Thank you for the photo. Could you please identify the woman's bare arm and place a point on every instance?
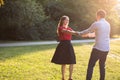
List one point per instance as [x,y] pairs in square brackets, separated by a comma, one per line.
[70,32]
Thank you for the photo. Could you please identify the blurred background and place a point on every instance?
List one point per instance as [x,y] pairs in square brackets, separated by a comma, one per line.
[32,20]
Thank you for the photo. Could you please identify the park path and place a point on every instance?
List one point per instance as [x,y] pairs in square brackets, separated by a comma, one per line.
[45,42]
[40,43]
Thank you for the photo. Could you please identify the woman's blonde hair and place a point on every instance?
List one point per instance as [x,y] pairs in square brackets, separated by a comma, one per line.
[61,21]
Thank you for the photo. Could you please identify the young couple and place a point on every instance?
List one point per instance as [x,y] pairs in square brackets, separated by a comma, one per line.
[64,53]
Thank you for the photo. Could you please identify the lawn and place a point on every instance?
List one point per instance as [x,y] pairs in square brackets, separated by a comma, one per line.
[33,63]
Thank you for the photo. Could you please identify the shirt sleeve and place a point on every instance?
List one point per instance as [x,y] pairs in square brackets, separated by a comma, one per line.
[60,29]
[90,29]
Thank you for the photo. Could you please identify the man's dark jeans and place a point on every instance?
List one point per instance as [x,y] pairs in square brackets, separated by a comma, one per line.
[95,56]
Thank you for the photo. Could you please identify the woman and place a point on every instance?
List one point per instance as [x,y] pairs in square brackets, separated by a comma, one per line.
[64,53]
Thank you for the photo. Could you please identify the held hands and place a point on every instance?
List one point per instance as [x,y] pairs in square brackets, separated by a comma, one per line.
[90,35]
[79,34]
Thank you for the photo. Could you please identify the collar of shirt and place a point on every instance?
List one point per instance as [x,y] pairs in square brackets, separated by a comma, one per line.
[102,19]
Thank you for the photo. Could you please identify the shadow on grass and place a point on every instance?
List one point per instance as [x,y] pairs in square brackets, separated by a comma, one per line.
[10,52]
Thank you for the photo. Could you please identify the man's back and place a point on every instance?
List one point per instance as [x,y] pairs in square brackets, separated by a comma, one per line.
[102,32]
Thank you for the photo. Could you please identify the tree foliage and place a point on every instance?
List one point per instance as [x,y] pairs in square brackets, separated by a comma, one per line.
[83,12]
[38,19]
[23,17]
[1,3]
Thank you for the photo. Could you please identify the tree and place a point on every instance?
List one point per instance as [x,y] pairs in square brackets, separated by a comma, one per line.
[21,19]
[83,12]
[38,19]
[1,3]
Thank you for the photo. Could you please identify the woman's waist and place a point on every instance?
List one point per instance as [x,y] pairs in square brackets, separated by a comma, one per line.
[65,40]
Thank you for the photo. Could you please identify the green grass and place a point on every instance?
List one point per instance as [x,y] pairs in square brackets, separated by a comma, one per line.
[33,63]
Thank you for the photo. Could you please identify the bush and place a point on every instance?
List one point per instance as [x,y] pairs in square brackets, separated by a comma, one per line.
[22,17]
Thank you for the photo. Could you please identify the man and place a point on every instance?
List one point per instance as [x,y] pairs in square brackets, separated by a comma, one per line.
[101,48]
